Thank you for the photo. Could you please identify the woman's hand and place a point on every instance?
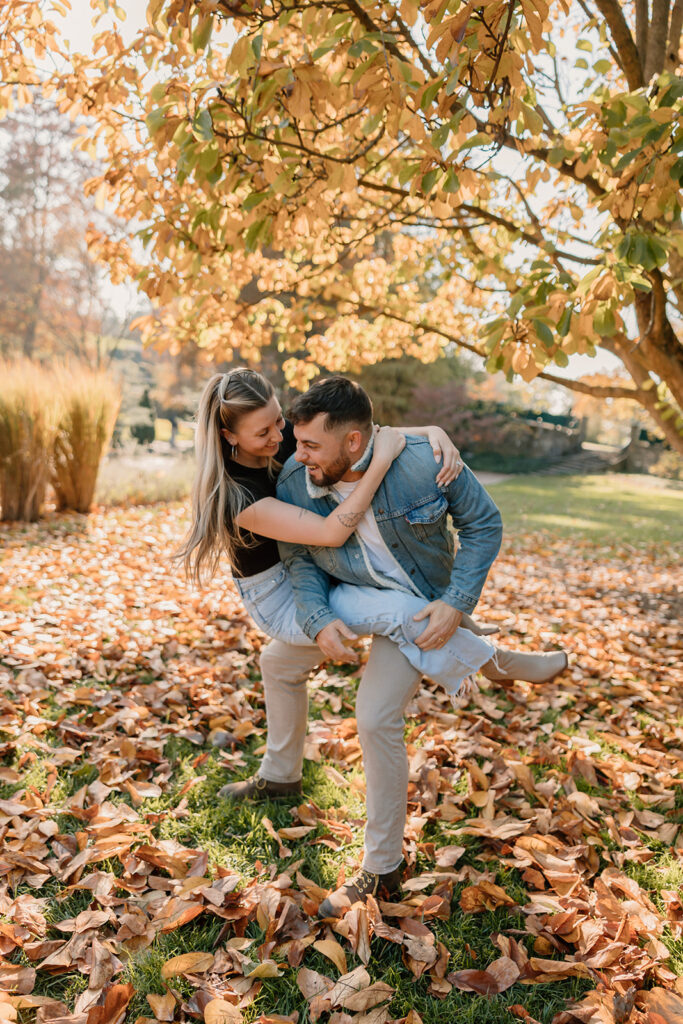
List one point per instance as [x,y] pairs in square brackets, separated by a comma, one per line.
[388,444]
[443,447]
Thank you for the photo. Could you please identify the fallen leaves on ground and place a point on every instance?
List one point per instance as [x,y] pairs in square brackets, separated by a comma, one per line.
[107,656]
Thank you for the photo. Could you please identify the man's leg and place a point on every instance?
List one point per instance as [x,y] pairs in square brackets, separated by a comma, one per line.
[284,669]
[388,683]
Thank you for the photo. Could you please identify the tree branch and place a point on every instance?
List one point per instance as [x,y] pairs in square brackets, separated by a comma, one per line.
[613,14]
[596,390]
[641,30]
[674,44]
[656,39]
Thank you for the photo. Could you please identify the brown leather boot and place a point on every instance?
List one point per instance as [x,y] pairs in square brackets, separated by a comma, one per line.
[362,885]
[256,788]
[532,668]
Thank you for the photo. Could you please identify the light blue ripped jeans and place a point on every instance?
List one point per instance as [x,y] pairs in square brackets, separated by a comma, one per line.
[269,599]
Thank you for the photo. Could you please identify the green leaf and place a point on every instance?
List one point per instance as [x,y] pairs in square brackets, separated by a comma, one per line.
[659,251]
[440,136]
[407,172]
[676,172]
[372,123]
[254,233]
[626,159]
[516,303]
[565,321]
[202,34]
[429,180]
[208,158]
[360,47]
[320,51]
[202,126]
[561,358]
[543,332]
[155,119]
[604,322]
[479,139]
[429,93]
[254,199]
[181,134]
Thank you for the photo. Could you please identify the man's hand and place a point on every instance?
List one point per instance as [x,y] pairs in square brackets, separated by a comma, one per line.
[443,622]
[331,639]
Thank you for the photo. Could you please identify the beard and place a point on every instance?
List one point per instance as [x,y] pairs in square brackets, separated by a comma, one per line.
[332,473]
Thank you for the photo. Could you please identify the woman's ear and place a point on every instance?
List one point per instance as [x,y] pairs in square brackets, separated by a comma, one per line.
[226,434]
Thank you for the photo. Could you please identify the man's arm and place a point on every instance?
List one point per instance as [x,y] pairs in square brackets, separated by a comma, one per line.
[480,532]
[311,587]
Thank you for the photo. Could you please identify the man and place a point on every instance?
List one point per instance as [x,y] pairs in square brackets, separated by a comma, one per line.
[402,542]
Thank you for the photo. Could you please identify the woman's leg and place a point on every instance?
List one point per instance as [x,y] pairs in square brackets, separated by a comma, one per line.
[269,599]
[390,613]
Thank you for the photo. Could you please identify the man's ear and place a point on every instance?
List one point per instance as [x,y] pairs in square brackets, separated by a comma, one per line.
[354,441]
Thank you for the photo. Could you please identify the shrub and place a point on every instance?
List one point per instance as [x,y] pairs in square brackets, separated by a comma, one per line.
[90,405]
[670,465]
[29,415]
[142,432]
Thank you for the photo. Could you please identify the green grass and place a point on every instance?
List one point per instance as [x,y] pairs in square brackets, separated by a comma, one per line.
[612,508]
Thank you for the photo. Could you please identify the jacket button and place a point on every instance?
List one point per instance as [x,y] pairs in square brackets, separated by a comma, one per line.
[412,572]
[394,545]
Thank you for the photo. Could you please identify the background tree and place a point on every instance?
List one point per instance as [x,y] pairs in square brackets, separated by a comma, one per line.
[51,290]
[522,159]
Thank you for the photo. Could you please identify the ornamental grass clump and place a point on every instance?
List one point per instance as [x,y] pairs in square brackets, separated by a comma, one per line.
[90,405]
[29,418]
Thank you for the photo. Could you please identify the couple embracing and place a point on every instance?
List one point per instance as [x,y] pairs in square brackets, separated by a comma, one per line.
[336,529]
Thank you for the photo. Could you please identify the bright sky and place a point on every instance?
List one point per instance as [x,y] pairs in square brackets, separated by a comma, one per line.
[79,32]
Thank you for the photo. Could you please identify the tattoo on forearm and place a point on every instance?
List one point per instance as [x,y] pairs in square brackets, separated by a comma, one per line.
[350,518]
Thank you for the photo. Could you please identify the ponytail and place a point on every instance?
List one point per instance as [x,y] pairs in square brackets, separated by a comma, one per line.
[217,499]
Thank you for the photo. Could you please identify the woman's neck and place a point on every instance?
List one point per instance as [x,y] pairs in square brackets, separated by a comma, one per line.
[250,461]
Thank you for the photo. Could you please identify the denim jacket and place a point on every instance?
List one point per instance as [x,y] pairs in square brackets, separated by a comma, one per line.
[411,511]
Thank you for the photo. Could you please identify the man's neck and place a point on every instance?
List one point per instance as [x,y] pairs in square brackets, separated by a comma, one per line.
[359,467]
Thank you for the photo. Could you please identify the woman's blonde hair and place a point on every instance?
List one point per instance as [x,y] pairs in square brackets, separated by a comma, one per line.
[217,499]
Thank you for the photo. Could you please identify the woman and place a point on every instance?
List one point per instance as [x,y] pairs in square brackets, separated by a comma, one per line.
[241,441]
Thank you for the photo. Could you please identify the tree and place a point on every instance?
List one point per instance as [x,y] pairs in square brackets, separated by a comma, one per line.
[50,287]
[521,161]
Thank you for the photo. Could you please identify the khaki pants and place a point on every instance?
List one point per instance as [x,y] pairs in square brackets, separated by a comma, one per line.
[387,685]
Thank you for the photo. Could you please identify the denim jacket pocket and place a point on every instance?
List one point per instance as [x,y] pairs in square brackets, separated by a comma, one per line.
[429,518]
[326,558]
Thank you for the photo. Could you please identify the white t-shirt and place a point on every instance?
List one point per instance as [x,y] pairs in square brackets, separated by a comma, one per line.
[381,559]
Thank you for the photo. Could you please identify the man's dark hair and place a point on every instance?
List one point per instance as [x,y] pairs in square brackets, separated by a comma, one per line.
[342,400]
